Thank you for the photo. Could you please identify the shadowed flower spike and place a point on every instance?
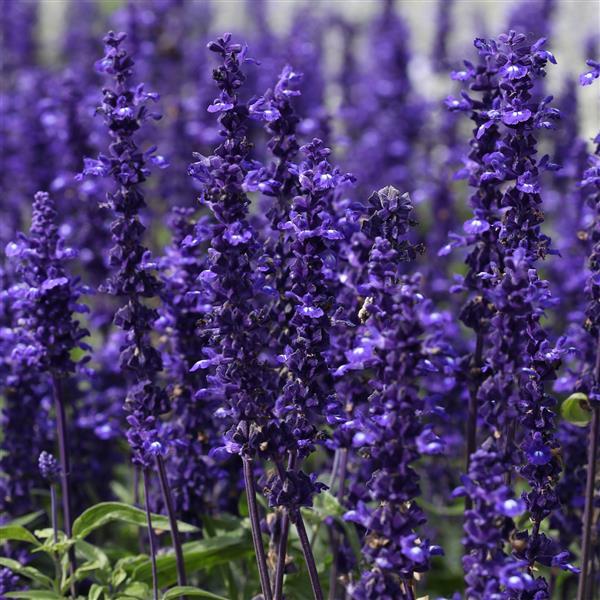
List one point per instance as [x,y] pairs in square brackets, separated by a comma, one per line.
[389,440]
[124,109]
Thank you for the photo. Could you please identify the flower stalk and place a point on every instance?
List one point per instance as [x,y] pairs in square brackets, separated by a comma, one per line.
[151,536]
[261,559]
[168,500]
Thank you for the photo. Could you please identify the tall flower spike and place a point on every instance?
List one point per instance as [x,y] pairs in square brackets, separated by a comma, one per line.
[384,125]
[236,365]
[48,299]
[443,31]
[198,479]
[124,109]
[388,431]
[508,298]
[24,416]
[590,184]
[278,179]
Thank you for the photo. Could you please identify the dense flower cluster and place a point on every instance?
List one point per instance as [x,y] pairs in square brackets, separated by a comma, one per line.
[329,391]
[392,432]
[513,352]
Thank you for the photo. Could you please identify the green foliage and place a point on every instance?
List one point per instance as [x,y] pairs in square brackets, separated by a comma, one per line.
[190,592]
[198,556]
[105,512]
[17,533]
[576,409]
[222,561]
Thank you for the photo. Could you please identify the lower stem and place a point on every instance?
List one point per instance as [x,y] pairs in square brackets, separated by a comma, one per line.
[285,530]
[261,558]
[168,500]
[150,534]
[588,513]
[472,419]
[473,408]
[65,467]
[54,512]
[54,516]
[341,492]
[309,559]
[281,554]
[136,503]
[333,540]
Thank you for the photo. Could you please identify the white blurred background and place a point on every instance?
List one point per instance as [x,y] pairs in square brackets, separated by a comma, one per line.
[574,23]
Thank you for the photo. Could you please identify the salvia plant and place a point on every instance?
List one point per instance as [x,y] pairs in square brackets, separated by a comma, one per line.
[316,317]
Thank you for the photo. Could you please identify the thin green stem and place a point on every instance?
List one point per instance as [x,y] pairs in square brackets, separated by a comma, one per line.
[309,559]
[588,513]
[261,559]
[146,477]
[168,500]
[65,469]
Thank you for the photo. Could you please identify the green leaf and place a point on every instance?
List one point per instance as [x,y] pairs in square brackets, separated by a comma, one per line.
[118,577]
[35,595]
[137,590]
[28,572]
[105,512]
[17,533]
[47,533]
[243,505]
[96,560]
[189,591]
[96,592]
[130,562]
[327,505]
[224,522]
[198,556]
[330,504]
[93,554]
[576,409]
[26,519]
